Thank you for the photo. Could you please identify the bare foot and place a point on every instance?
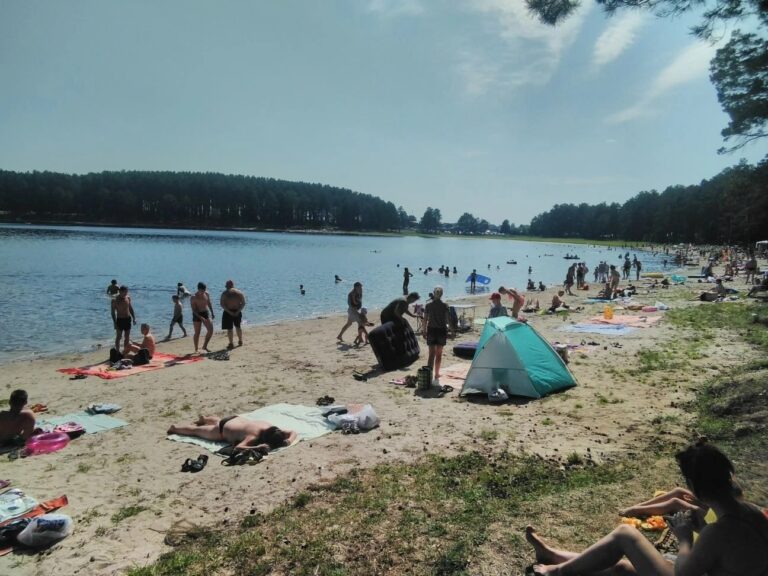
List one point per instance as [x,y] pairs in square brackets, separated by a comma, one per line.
[206,349]
[543,569]
[339,338]
[171,430]
[239,343]
[543,552]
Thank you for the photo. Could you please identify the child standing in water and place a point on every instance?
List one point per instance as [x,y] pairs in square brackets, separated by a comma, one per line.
[178,317]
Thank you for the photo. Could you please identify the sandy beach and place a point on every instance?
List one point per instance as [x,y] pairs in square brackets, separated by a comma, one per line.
[297,362]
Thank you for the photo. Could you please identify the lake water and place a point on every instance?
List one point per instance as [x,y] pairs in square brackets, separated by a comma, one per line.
[53,279]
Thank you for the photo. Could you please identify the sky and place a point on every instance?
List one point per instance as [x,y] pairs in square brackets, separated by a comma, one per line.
[461,105]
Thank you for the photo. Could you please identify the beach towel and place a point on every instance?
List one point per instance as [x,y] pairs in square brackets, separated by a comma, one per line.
[92,423]
[105,370]
[307,421]
[455,372]
[627,320]
[604,329]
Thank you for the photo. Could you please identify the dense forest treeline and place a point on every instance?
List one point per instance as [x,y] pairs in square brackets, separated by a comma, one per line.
[731,208]
[191,199]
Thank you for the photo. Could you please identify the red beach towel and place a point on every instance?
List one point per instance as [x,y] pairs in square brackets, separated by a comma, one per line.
[105,370]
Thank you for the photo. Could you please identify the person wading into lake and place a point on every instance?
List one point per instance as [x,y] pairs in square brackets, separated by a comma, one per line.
[201,305]
[406,280]
[233,302]
[122,316]
[113,289]
[354,303]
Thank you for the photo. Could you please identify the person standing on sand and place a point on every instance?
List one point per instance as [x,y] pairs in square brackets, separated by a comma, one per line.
[354,303]
[201,305]
[406,280]
[122,315]
[113,289]
[615,278]
[232,301]
[436,320]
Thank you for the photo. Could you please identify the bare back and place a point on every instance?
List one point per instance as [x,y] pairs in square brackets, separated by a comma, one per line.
[13,425]
[736,543]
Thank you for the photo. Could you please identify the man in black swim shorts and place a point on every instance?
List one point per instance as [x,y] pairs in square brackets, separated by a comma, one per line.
[232,301]
[201,304]
[122,318]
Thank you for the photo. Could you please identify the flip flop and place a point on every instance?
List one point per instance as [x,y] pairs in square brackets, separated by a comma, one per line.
[325,400]
[199,464]
[187,466]
[237,458]
[79,377]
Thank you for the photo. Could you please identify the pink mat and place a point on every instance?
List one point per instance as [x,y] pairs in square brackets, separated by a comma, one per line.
[105,370]
[455,371]
[631,321]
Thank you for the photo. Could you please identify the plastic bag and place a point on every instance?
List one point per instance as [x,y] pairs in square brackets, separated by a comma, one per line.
[367,418]
[45,530]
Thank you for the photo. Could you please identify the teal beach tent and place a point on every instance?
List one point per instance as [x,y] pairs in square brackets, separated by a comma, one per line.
[513,357]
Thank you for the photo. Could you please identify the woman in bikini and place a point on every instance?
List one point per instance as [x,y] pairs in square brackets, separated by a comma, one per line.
[734,545]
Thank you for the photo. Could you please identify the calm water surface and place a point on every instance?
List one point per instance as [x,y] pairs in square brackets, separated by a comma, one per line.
[53,279]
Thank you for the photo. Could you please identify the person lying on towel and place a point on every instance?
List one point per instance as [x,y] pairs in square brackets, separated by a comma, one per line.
[17,423]
[238,431]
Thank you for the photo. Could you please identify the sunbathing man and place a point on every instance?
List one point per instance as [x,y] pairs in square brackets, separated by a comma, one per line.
[16,423]
[239,431]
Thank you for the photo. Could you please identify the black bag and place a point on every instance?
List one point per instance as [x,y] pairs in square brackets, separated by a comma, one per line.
[114,356]
[141,358]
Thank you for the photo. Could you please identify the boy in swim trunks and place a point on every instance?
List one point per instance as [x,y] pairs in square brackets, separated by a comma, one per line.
[178,317]
[201,305]
[239,431]
[122,316]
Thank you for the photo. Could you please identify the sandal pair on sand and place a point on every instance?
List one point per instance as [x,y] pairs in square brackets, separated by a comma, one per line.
[194,465]
[325,400]
[240,457]
[359,376]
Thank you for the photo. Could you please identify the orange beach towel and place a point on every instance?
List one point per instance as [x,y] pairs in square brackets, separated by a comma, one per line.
[105,370]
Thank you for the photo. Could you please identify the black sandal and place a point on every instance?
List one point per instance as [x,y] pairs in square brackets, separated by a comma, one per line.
[237,458]
[325,400]
[199,464]
[187,466]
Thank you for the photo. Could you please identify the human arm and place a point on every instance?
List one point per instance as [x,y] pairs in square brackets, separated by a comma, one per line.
[131,312]
[113,312]
[210,305]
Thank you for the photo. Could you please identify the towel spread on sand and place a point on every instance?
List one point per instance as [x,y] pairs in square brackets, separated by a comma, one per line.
[307,421]
[455,371]
[627,320]
[105,370]
[604,329]
[92,423]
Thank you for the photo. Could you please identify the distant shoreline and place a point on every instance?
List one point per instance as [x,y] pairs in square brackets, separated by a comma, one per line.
[4,219]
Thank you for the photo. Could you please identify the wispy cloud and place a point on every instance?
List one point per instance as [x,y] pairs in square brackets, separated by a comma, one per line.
[394,8]
[530,51]
[617,37]
[691,64]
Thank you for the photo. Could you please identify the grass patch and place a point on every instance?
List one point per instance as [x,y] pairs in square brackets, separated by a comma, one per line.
[488,435]
[83,468]
[126,512]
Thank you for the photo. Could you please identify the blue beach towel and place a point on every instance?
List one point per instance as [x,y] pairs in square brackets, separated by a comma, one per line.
[605,329]
[92,423]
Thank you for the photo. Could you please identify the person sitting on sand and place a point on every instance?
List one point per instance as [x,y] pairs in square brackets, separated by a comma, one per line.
[141,352]
[530,286]
[735,544]
[542,286]
[238,431]
[496,308]
[558,302]
[17,423]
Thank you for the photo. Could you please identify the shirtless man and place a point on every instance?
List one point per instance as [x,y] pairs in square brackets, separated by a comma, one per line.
[16,423]
[148,343]
[558,302]
[232,301]
[201,305]
[113,289]
[239,431]
[122,315]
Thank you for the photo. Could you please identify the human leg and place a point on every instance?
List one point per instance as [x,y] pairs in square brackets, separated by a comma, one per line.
[239,335]
[608,552]
[437,360]
[206,431]
[343,329]
[197,324]
[431,360]
[118,335]
[208,332]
